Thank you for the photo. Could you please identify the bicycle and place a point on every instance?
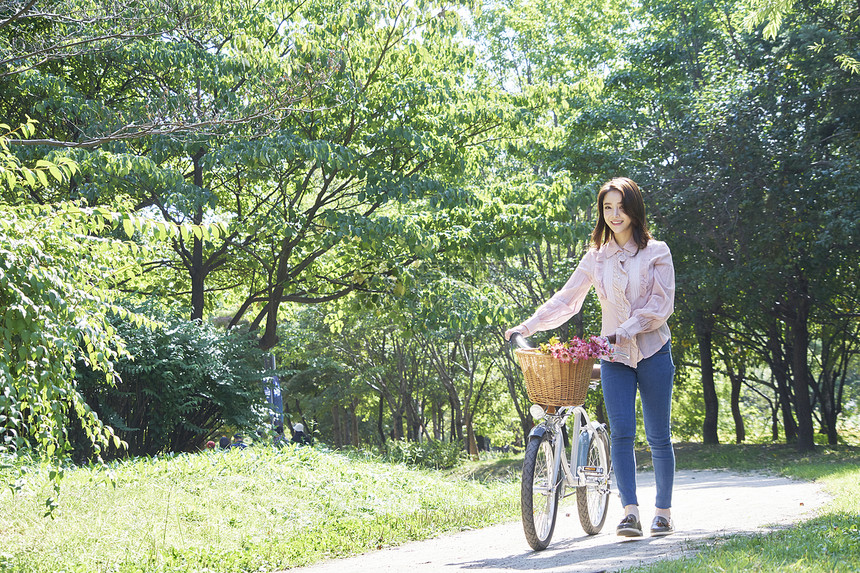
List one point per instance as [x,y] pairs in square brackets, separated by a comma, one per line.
[553,464]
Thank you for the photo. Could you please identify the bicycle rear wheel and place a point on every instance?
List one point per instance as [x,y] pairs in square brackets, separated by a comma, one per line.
[592,499]
[539,499]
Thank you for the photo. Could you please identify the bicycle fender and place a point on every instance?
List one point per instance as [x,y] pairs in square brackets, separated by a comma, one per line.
[538,431]
[598,427]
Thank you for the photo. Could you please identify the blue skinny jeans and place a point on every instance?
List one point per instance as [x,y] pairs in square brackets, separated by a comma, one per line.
[653,377]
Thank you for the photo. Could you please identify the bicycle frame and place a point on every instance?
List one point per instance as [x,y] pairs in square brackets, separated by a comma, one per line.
[569,470]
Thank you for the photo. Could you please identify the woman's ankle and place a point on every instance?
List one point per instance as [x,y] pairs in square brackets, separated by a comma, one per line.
[631,510]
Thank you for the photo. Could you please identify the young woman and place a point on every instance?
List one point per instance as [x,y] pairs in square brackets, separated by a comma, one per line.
[635,282]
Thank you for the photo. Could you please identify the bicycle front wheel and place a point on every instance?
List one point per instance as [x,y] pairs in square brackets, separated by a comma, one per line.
[539,497]
[592,499]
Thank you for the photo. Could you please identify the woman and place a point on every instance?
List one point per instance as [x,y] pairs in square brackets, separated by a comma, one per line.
[635,283]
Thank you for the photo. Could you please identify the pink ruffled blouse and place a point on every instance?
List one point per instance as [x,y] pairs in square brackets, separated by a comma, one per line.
[636,292]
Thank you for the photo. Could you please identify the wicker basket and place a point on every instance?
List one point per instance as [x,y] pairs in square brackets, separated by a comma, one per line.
[551,382]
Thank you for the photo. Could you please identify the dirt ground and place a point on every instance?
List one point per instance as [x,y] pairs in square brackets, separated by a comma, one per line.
[706,505]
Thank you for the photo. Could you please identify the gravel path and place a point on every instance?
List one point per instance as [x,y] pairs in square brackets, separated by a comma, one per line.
[707,504]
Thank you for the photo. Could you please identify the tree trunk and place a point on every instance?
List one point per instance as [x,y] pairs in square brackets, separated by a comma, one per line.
[438,422]
[456,433]
[828,408]
[421,419]
[600,412]
[737,379]
[779,368]
[578,326]
[472,442]
[800,368]
[413,426]
[704,326]
[456,419]
[397,425]
[835,357]
[440,365]
[353,419]
[196,266]
[379,426]
[774,425]
[336,426]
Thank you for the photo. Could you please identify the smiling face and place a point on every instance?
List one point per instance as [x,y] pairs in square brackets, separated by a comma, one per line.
[615,218]
[621,214]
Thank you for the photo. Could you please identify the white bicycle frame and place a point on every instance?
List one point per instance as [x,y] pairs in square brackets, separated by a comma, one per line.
[574,475]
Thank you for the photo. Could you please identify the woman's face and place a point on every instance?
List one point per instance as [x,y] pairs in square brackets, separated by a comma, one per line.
[615,218]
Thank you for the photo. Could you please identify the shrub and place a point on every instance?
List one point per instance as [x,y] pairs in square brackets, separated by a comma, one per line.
[432,454]
[184,381]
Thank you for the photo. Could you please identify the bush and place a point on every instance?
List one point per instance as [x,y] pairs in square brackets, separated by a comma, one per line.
[432,454]
[185,380]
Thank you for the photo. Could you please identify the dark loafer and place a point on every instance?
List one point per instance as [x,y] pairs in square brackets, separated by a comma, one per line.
[662,526]
[629,527]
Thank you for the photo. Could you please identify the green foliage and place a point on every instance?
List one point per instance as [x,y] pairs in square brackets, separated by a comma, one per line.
[275,509]
[301,125]
[770,13]
[16,178]
[772,458]
[429,454]
[181,383]
[56,314]
[430,183]
[259,509]
[759,207]
[59,269]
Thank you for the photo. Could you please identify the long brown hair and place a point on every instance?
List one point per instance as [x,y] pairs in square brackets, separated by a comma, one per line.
[634,207]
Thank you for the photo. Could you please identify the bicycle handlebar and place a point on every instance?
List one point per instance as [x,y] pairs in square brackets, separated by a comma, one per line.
[519,340]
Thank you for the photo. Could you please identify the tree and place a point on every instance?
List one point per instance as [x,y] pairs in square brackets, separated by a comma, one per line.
[768,137]
[58,283]
[56,309]
[304,191]
[105,69]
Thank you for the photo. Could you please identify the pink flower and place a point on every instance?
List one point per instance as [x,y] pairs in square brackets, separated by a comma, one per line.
[577,349]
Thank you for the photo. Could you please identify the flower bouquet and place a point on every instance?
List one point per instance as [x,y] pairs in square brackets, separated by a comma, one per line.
[558,373]
[577,349]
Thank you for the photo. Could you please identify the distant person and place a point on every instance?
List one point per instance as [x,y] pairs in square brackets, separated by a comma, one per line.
[210,445]
[224,442]
[238,443]
[299,436]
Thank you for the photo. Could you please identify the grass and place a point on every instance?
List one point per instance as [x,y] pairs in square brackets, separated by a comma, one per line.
[263,510]
[829,542]
[258,509]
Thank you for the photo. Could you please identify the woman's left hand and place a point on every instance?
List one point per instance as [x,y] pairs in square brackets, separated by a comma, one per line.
[510,332]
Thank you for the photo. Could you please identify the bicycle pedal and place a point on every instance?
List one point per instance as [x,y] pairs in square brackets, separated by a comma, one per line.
[591,470]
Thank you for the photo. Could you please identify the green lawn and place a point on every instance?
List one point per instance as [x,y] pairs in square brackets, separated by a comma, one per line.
[253,510]
[262,509]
